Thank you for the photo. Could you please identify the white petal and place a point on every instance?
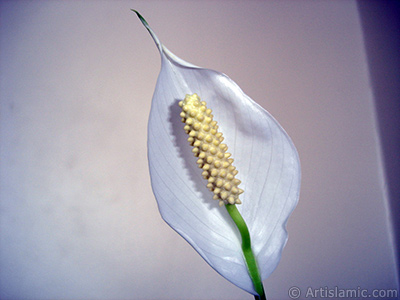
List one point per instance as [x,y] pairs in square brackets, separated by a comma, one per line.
[266,158]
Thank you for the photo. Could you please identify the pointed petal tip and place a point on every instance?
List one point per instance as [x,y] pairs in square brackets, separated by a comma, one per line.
[153,35]
[140,17]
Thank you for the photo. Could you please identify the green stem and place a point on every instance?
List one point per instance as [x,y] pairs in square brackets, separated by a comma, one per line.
[247,251]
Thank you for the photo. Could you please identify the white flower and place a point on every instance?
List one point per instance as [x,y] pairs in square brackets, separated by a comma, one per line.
[264,155]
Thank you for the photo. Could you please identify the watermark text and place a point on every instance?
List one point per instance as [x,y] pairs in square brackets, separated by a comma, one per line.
[325,292]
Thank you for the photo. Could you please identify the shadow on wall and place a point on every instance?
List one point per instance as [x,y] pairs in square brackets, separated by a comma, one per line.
[380,21]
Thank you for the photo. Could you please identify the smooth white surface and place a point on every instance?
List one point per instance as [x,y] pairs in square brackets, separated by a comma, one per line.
[266,157]
[78,219]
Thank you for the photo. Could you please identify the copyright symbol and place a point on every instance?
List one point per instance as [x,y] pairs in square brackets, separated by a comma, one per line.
[294,292]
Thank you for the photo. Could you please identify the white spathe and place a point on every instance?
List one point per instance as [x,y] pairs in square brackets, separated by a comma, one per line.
[264,155]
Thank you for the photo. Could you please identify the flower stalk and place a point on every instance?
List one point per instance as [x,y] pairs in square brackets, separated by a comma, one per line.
[247,251]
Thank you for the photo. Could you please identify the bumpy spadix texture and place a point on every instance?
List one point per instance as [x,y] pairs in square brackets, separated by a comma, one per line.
[264,154]
[208,147]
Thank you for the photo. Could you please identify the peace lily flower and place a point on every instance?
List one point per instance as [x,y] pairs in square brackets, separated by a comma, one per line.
[264,156]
